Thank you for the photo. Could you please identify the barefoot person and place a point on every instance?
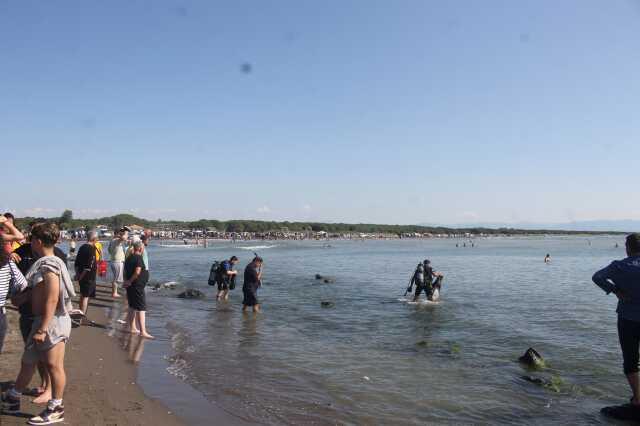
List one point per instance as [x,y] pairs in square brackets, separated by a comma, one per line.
[116,253]
[622,278]
[51,292]
[136,277]
[252,282]
[86,269]
[225,276]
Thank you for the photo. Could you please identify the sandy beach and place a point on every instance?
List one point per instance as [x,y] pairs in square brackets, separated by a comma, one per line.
[101,378]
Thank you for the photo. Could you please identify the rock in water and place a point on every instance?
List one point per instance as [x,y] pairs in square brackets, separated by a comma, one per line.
[329,281]
[327,304]
[318,277]
[532,359]
[191,293]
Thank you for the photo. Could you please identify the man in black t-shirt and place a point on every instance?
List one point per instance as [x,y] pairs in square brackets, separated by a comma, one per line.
[86,268]
[252,281]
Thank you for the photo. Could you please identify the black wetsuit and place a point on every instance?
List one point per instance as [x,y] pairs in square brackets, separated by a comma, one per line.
[427,285]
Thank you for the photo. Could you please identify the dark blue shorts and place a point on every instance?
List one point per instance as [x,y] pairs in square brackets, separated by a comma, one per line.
[250,296]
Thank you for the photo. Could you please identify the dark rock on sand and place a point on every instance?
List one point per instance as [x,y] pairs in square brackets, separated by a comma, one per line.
[191,294]
[532,359]
[327,304]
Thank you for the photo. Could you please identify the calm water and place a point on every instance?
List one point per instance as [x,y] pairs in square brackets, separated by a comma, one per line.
[373,359]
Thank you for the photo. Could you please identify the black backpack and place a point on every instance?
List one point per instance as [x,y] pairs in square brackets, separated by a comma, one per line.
[214,273]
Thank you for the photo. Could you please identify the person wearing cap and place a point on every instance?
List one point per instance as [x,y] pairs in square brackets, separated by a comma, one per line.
[116,256]
[427,284]
[252,282]
[622,278]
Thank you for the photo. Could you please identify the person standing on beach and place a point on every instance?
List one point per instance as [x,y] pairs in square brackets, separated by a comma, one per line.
[86,268]
[225,275]
[136,277]
[145,256]
[252,282]
[11,282]
[622,278]
[116,254]
[72,246]
[51,289]
[25,257]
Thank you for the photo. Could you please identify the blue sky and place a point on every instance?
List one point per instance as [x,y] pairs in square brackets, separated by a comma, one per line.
[356,111]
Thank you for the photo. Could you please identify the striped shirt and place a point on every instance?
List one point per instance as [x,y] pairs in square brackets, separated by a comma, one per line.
[11,282]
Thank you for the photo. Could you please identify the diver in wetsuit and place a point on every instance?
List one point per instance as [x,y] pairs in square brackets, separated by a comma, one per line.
[428,283]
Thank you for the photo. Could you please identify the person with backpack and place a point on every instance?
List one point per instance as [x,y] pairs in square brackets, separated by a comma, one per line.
[225,277]
[427,285]
[417,278]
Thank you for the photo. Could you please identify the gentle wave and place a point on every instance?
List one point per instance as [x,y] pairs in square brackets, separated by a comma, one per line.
[257,247]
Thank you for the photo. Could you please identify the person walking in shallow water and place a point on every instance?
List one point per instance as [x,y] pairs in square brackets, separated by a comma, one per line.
[252,281]
[622,278]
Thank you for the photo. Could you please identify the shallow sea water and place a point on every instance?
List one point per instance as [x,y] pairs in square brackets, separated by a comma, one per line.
[374,359]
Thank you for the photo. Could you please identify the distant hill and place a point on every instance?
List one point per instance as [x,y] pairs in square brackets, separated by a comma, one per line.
[628,225]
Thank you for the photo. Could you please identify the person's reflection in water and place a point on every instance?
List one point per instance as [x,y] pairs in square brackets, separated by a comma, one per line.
[134,345]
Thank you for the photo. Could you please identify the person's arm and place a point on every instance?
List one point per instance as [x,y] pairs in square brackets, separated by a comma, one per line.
[604,279]
[136,274]
[11,233]
[51,285]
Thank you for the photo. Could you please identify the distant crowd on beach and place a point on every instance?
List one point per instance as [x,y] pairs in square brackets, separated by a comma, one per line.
[34,276]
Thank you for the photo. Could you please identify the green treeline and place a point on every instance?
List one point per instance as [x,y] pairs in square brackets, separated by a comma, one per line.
[67,221]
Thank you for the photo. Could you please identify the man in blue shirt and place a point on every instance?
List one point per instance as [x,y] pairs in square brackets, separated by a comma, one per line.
[622,278]
[225,276]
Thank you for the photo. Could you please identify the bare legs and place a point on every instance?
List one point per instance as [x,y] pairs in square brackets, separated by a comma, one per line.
[84,304]
[114,290]
[141,316]
[54,361]
[45,396]
[137,323]
[255,308]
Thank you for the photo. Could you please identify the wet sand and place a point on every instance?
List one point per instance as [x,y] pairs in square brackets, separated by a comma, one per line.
[101,376]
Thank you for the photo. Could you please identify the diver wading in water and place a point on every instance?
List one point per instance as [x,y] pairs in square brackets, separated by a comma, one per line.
[423,280]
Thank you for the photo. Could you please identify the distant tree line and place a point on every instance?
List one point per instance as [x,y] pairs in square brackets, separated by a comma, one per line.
[67,221]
